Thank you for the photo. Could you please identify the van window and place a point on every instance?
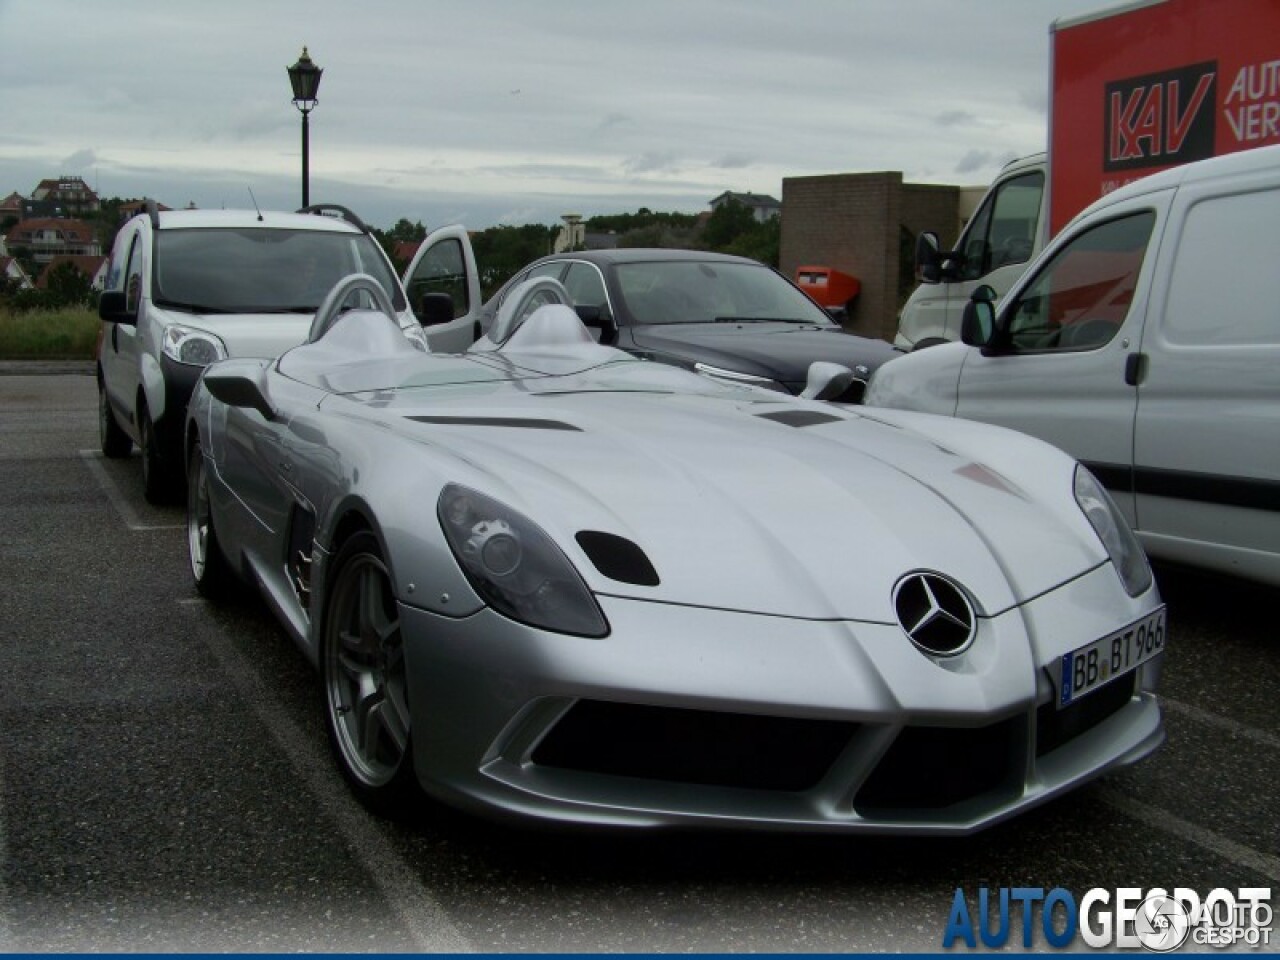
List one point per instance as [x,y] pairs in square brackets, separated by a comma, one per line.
[442,269]
[1226,283]
[1082,296]
[1003,230]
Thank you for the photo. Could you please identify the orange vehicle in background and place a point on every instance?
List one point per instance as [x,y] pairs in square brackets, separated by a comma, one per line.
[831,289]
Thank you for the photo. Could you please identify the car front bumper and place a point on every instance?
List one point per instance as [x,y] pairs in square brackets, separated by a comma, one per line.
[695,717]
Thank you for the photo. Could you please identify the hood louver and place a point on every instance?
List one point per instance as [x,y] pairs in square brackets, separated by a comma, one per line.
[618,558]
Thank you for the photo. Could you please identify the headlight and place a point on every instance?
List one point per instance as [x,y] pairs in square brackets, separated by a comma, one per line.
[515,566]
[733,376]
[195,347]
[1113,530]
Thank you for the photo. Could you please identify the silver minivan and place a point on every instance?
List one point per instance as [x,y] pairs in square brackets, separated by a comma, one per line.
[1144,341]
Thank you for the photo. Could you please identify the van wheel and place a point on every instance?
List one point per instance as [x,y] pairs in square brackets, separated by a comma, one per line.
[157,484]
[115,442]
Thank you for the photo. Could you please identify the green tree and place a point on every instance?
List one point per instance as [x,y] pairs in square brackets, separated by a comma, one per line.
[502,251]
[66,286]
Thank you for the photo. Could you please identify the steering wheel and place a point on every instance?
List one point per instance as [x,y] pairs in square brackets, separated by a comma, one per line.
[331,307]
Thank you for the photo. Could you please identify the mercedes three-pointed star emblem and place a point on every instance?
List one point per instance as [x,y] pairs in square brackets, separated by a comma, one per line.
[935,613]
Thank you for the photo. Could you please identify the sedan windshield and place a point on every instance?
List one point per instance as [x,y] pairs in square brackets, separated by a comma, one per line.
[259,270]
[690,291]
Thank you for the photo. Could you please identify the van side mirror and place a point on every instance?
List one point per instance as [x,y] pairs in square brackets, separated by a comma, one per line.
[113,308]
[437,308]
[597,317]
[928,258]
[978,323]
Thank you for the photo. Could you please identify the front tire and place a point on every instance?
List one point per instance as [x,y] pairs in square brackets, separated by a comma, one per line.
[365,679]
[114,441]
[209,568]
[157,483]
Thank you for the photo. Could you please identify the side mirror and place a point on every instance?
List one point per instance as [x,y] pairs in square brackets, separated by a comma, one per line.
[113,308]
[928,258]
[437,308]
[240,383]
[978,323]
[594,315]
[826,381]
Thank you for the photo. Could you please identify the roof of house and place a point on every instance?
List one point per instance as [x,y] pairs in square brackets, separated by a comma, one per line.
[76,231]
[747,199]
[405,250]
[87,265]
[9,267]
[12,202]
[58,184]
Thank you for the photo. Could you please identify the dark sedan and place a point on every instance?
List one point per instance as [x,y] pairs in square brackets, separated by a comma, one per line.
[724,316]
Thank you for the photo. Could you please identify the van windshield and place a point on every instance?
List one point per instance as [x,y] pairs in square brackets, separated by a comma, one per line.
[261,270]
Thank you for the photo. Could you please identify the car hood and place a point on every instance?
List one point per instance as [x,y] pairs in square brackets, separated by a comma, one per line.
[780,351]
[741,501]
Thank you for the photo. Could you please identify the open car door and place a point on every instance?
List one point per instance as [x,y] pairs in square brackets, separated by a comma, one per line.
[445,263]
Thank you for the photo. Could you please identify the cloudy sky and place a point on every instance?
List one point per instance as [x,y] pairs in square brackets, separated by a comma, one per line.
[515,111]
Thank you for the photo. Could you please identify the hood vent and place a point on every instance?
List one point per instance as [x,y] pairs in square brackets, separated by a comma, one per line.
[618,558]
[800,418]
[526,423]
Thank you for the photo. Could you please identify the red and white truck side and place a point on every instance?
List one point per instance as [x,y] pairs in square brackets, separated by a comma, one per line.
[1134,89]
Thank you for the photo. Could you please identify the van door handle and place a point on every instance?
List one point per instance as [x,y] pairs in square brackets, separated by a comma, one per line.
[1135,368]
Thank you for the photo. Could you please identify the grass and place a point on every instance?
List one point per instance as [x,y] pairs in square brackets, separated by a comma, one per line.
[66,334]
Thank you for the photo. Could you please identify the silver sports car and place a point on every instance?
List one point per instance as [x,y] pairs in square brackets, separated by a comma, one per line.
[547,579]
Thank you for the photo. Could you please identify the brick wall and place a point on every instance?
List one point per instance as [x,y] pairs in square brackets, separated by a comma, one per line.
[854,222]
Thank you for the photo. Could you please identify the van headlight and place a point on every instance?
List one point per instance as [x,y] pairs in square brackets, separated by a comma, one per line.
[1126,554]
[515,566]
[191,346]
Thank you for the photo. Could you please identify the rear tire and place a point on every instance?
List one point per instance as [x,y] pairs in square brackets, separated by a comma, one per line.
[209,568]
[114,441]
[363,670]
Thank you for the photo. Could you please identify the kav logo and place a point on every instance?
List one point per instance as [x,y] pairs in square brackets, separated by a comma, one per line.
[1161,119]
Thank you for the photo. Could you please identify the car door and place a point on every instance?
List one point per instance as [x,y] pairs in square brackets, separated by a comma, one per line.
[1207,441]
[120,362]
[1063,371]
[445,263]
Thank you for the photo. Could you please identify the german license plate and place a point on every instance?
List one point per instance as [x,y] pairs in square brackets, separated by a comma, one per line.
[1097,663]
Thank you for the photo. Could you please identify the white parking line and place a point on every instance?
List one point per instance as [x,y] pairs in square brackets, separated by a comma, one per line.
[1225,724]
[1152,816]
[6,936]
[93,460]
[426,920]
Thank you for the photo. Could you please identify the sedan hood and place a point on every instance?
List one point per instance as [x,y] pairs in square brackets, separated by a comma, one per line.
[781,508]
[780,351]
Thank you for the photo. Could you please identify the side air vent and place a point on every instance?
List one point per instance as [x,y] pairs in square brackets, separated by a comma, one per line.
[618,558]
[800,418]
[525,423]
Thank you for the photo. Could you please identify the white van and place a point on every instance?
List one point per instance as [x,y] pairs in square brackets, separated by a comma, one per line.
[1144,341]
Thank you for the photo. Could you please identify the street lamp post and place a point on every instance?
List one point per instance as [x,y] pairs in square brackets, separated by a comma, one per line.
[304,77]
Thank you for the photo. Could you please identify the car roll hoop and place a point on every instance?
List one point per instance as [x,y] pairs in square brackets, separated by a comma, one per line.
[331,307]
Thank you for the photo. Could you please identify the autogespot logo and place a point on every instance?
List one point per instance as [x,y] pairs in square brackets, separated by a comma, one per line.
[1128,917]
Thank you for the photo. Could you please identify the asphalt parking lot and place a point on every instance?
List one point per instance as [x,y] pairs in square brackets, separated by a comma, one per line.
[165,783]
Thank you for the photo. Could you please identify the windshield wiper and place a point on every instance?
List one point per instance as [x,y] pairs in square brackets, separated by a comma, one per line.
[190,307]
[813,323]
